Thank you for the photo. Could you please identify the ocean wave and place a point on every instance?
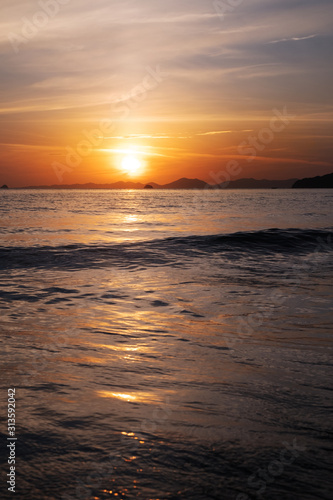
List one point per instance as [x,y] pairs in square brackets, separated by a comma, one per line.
[168,251]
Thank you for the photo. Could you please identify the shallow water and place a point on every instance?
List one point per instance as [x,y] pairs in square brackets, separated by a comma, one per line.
[168,344]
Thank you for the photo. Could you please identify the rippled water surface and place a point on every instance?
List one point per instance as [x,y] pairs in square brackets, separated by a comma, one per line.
[168,344]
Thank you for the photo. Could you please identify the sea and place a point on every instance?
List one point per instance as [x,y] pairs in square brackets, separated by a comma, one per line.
[166,344]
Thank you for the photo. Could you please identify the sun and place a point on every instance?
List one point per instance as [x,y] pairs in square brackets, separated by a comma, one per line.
[130,164]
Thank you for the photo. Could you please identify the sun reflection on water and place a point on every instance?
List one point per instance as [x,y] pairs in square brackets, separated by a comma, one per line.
[125,397]
[138,397]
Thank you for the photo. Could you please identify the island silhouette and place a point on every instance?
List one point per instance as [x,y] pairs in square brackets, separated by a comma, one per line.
[325,181]
[318,182]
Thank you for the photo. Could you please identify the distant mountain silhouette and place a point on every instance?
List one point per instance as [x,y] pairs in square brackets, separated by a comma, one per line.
[4,187]
[324,181]
[182,183]
[185,183]
[259,184]
[148,186]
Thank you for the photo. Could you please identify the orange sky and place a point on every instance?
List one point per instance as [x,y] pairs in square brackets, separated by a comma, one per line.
[176,90]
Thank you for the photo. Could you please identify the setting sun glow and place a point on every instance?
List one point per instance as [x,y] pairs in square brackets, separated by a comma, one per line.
[131,165]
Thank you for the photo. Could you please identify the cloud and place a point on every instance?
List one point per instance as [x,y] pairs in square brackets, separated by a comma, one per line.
[131,151]
[147,136]
[94,53]
[216,132]
[294,39]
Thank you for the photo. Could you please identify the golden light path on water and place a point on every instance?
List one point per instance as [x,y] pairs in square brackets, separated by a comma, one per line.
[124,397]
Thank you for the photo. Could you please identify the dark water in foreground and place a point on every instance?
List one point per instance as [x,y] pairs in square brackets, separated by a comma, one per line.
[167,345]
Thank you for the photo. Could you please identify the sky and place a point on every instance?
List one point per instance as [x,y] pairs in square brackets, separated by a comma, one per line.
[147,90]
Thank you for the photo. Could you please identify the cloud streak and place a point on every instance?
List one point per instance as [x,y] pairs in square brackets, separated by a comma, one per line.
[294,39]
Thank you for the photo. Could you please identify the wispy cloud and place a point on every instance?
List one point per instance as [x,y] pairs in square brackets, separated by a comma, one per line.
[131,151]
[216,132]
[147,136]
[294,39]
